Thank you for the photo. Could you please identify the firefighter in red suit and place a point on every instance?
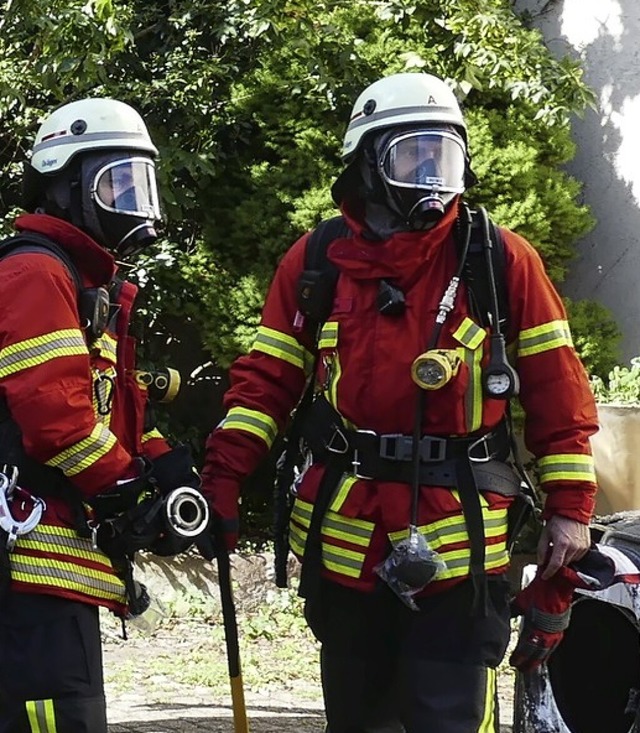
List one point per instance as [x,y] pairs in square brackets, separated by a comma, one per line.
[74,414]
[408,452]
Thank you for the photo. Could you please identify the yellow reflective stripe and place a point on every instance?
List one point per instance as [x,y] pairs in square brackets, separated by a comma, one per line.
[341,560]
[545,337]
[567,467]
[355,531]
[301,511]
[251,421]
[488,719]
[342,492]
[34,351]
[42,716]
[473,398]
[61,574]
[331,391]
[470,334]
[281,346]
[496,556]
[493,518]
[151,435]
[297,539]
[328,336]
[62,541]
[85,452]
[107,347]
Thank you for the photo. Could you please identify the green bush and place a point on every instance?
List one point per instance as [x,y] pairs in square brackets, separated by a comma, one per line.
[622,385]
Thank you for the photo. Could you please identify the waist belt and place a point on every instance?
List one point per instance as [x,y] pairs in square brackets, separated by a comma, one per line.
[388,457]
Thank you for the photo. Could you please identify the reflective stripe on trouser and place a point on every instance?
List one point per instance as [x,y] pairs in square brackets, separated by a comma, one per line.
[431,670]
[51,677]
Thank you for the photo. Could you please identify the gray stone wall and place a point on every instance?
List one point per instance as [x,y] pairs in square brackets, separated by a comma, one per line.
[604,35]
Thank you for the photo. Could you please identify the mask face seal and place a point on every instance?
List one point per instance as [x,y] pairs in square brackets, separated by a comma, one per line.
[120,203]
[422,172]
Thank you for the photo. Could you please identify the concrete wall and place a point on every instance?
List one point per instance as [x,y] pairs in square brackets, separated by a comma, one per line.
[604,35]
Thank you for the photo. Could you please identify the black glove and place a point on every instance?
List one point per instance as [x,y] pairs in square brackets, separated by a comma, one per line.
[128,516]
[207,542]
[125,495]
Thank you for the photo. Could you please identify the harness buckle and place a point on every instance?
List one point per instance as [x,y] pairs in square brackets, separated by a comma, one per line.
[433,449]
[395,447]
[356,457]
[339,449]
[483,442]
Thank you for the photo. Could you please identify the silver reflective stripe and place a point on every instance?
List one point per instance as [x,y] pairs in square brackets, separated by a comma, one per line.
[89,137]
[418,109]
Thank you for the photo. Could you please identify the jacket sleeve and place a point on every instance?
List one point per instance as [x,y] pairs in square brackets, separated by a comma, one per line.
[560,411]
[45,374]
[266,383]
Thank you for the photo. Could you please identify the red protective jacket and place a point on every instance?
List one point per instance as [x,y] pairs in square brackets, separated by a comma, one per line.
[77,404]
[365,370]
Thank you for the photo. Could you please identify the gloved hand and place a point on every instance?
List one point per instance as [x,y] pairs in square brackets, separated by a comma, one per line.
[545,605]
[126,493]
[222,495]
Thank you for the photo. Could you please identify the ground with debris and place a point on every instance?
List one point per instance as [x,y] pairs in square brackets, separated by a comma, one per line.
[176,679]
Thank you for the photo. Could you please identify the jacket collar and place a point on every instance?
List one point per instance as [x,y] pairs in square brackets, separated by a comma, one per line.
[399,257]
[95,263]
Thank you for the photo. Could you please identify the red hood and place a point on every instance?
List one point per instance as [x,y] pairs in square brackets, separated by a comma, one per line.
[400,257]
[95,263]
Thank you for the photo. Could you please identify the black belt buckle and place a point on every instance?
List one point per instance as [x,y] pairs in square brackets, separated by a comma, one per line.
[358,472]
[433,449]
[395,447]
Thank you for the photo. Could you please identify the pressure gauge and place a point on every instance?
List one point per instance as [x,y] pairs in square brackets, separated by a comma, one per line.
[498,384]
[499,379]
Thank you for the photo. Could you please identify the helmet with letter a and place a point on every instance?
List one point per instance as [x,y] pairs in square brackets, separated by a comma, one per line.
[93,164]
[409,131]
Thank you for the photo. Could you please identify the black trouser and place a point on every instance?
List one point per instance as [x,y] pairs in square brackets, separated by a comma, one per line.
[51,678]
[387,668]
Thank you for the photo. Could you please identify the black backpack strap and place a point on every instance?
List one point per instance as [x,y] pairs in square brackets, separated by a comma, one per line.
[34,242]
[477,278]
[317,282]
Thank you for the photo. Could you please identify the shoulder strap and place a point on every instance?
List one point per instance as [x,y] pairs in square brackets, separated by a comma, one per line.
[317,282]
[34,242]
[477,278]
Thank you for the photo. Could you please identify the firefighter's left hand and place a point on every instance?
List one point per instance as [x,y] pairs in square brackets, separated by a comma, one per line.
[562,542]
[545,605]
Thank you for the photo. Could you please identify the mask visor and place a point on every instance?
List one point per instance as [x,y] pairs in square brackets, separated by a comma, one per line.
[128,187]
[425,160]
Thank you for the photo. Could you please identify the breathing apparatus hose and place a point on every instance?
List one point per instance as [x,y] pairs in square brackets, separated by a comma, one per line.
[240,722]
[421,395]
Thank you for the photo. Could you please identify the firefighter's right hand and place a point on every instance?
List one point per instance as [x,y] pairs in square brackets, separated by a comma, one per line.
[223,497]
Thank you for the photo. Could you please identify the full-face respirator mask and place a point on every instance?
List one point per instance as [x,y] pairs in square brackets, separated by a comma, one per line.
[421,170]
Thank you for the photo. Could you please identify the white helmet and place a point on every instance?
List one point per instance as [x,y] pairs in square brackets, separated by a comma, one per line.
[401,99]
[93,165]
[88,124]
